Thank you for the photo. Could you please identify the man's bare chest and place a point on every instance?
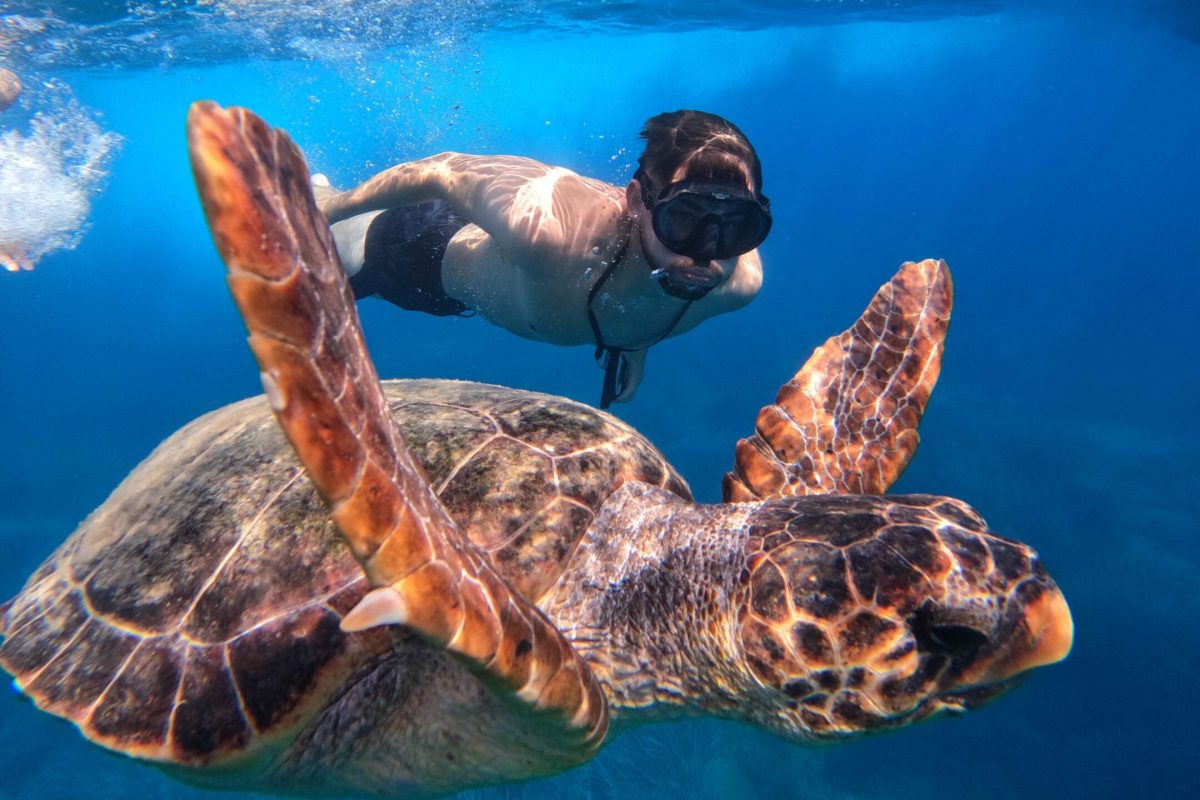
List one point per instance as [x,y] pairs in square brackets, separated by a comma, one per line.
[548,299]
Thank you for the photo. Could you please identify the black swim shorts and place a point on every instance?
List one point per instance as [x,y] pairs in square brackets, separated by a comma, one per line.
[403,258]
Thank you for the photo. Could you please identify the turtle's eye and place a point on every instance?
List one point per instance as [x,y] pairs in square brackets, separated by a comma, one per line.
[948,632]
[953,639]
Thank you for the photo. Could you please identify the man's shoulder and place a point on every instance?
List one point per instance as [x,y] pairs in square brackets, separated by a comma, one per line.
[560,216]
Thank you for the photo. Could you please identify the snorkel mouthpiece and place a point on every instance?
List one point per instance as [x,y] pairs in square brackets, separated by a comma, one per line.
[680,290]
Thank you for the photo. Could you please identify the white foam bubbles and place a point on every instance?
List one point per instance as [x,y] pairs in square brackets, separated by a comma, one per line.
[49,174]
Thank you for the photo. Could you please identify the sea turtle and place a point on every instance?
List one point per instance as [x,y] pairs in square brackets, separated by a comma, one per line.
[466,584]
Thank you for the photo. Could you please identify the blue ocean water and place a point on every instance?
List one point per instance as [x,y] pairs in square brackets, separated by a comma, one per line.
[1047,151]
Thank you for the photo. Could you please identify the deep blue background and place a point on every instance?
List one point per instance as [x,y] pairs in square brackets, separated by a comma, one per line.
[1049,158]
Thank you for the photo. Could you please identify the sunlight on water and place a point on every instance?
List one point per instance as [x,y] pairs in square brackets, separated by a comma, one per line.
[393,58]
[49,174]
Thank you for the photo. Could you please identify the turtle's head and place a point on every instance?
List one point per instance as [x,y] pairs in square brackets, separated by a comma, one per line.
[869,613]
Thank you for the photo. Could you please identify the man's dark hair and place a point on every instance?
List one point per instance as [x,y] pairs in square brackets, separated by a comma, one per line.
[709,147]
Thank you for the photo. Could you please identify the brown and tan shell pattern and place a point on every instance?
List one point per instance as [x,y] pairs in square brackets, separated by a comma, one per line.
[193,618]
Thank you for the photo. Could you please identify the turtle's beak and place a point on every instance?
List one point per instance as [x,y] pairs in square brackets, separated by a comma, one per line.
[1040,632]
[1051,631]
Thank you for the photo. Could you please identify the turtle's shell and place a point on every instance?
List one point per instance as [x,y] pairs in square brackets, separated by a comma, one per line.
[194,615]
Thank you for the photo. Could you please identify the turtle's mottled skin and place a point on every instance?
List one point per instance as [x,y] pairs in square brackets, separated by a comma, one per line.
[827,615]
[417,587]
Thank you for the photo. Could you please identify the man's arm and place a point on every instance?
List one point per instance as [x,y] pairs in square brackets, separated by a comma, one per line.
[404,184]
[520,202]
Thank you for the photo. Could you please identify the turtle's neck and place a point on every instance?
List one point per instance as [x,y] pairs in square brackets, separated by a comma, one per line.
[649,600]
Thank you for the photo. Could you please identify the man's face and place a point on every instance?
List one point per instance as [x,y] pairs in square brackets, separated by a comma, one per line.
[681,269]
[685,272]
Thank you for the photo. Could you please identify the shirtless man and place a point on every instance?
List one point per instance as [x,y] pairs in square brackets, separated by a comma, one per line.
[554,256]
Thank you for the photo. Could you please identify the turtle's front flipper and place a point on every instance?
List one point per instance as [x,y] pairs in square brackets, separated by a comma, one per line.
[285,276]
[847,422]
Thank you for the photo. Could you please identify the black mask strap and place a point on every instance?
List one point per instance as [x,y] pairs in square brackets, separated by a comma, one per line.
[612,358]
[616,373]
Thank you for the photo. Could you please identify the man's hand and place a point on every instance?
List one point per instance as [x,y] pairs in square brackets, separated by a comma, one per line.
[636,361]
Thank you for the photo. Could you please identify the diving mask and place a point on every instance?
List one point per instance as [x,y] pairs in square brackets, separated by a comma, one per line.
[704,220]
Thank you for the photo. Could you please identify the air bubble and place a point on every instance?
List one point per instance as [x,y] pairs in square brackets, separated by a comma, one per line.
[49,176]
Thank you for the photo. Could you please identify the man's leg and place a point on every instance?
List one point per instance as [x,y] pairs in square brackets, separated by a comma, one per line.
[350,235]
[402,258]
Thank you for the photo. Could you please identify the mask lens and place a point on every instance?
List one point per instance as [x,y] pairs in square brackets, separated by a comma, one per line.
[683,218]
[676,221]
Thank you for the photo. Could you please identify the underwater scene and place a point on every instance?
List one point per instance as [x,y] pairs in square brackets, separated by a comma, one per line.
[1047,151]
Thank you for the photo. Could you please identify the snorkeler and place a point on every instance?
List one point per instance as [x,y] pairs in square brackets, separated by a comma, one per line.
[553,256]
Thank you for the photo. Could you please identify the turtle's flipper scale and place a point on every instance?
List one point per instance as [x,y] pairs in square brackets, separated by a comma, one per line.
[847,422]
[285,275]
